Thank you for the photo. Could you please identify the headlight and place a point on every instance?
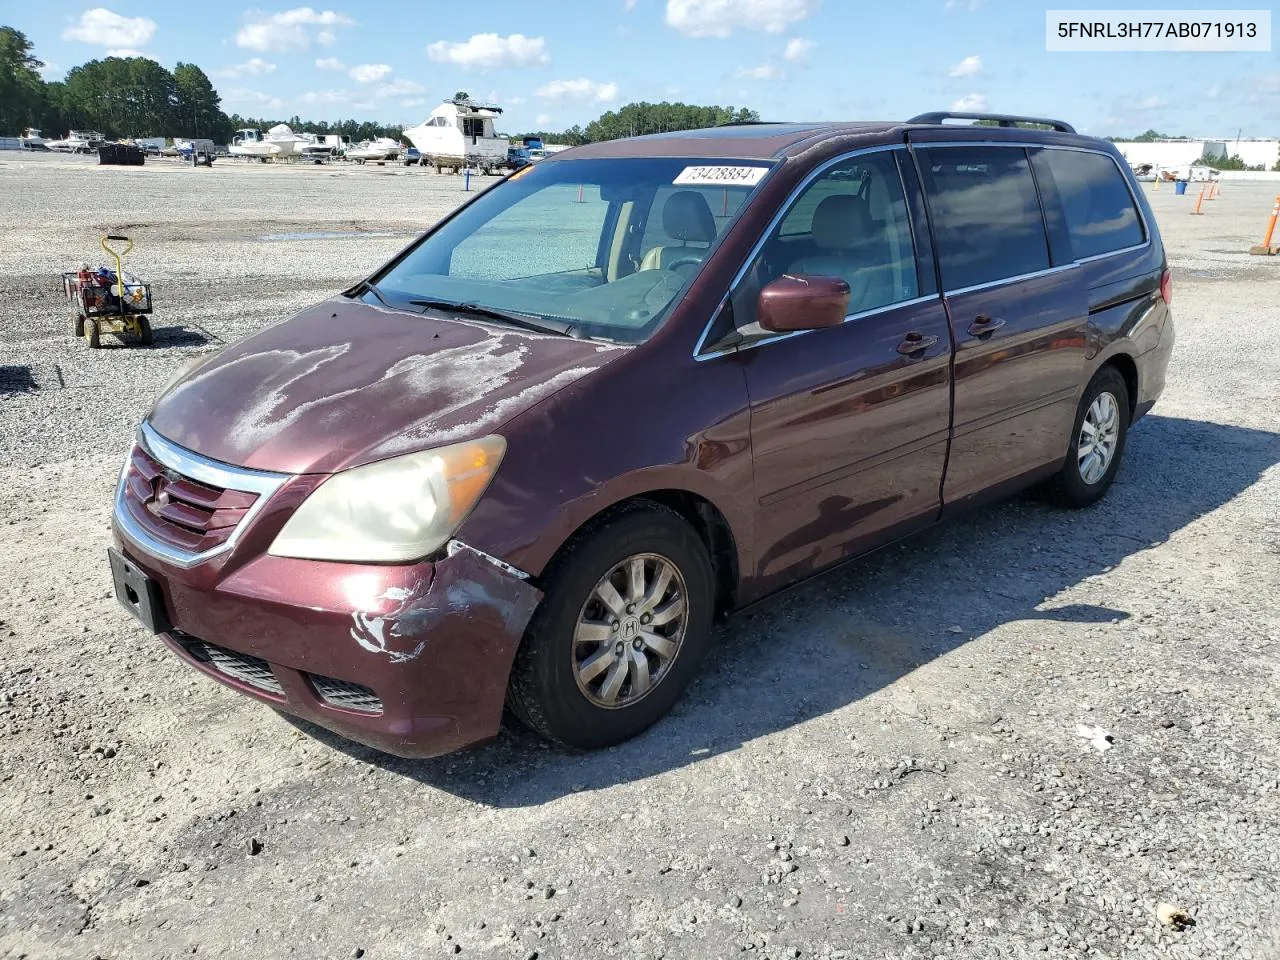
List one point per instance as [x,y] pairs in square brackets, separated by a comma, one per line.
[394,510]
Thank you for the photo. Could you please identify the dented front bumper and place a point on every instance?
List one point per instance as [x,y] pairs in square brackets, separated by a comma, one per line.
[432,642]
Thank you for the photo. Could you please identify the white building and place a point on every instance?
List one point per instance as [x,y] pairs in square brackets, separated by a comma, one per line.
[1170,154]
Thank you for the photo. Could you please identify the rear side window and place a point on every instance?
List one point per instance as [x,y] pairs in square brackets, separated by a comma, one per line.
[986,214]
[1101,216]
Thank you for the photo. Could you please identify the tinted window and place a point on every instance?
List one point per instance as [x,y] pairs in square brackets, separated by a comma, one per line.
[1101,217]
[851,223]
[986,214]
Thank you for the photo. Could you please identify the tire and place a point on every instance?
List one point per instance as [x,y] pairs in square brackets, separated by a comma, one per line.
[1069,487]
[545,691]
[79,319]
[144,331]
[92,333]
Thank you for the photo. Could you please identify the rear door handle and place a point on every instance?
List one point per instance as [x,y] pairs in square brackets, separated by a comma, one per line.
[982,326]
[914,343]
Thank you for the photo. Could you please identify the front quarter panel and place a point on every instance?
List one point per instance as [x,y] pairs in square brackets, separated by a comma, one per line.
[654,422]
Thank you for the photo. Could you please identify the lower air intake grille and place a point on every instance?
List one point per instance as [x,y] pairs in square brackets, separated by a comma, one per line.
[347,695]
[254,671]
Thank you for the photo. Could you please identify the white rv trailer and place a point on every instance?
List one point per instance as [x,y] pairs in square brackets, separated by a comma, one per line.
[459,133]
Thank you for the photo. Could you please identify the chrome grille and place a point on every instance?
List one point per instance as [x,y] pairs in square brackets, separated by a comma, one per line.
[347,695]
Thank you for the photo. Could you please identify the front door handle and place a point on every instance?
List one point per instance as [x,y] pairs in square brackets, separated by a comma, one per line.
[914,343]
[982,326]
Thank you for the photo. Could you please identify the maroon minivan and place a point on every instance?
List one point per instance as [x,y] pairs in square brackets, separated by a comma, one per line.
[626,391]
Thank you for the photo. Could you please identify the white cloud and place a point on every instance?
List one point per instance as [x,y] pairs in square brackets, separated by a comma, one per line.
[488,51]
[970,5]
[289,29]
[400,88]
[514,101]
[1151,103]
[766,71]
[720,18]
[242,95]
[253,67]
[125,53]
[968,67]
[542,119]
[629,4]
[580,89]
[971,103]
[325,97]
[50,71]
[414,102]
[797,50]
[369,72]
[330,63]
[106,29]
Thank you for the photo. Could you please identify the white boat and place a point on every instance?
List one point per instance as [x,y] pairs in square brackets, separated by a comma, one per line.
[324,147]
[31,140]
[77,141]
[380,149]
[460,133]
[278,142]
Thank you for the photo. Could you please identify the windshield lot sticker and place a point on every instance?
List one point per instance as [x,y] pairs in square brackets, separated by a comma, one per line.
[725,176]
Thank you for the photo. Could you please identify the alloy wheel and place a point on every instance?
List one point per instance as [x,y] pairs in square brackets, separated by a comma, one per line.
[1099,434]
[629,631]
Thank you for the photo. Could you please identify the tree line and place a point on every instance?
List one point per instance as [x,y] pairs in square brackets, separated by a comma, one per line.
[131,97]
[638,119]
[137,97]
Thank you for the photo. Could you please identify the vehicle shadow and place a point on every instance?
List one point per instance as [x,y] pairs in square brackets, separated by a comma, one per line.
[851,632]
[162,338]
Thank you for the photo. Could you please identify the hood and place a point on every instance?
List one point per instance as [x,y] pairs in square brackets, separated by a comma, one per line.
[345,383]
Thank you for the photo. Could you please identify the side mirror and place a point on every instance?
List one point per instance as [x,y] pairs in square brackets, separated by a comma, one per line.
[802,302]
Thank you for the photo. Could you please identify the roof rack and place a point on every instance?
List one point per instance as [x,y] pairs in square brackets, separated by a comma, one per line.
[1002,119]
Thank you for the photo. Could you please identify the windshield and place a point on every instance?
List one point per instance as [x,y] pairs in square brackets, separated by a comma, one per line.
[606,245]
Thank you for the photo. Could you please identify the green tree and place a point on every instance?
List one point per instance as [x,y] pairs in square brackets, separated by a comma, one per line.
[21,89]
[462,95]
[197,110]
[124,97]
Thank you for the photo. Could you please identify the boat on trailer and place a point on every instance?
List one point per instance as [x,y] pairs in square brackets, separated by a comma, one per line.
[460,133]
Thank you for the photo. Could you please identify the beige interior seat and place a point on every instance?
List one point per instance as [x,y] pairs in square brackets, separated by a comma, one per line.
[851,247]
[687,217]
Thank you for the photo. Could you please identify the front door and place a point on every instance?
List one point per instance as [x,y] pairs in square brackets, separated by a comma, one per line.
[849,423]
[1020,321]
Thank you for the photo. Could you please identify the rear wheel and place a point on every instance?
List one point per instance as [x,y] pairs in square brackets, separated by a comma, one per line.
[144,331]
[621,631]
[92,333]
[1097,443]
[79,322]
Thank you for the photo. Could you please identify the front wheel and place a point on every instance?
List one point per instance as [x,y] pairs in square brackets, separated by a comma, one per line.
[621,631]
[1097,443]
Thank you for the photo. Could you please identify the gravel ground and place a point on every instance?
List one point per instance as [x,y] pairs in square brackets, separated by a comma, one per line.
[884,763]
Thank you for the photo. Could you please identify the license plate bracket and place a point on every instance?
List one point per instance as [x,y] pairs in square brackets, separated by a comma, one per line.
[138,593]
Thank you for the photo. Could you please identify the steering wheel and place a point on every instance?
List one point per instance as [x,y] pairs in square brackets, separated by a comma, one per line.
[684,262]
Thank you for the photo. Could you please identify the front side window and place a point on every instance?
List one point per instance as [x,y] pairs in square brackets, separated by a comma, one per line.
[851,222]
[986,214]
[606,245]
[1101,216]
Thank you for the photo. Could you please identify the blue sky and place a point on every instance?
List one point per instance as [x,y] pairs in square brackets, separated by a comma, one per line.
[553,64]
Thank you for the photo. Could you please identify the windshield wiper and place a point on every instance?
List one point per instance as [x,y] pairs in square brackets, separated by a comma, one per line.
[368,286]
[529,322]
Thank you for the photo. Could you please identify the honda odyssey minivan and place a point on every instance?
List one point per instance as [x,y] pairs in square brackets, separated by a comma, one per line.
[632,388]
